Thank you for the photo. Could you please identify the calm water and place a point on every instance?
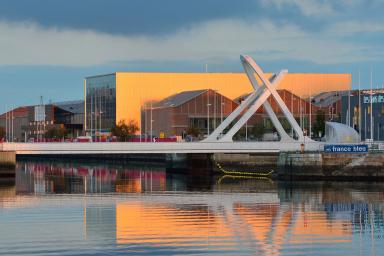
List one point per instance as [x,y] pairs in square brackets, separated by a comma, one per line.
[53,208]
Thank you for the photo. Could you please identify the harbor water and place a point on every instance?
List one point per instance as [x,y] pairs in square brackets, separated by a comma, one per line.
[91,208]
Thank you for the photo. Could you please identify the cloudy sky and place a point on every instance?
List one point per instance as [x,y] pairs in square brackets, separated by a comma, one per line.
[47,47]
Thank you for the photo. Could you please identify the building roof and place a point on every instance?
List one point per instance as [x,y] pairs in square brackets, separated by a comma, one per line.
[326,99]
[242,97]
[75,107]
[179,98]
[17,112]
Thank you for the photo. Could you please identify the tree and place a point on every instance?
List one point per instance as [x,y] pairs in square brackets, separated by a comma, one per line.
[258,130]
[56,132]
[319,126]
[124,131]
[2,132]
[193,131]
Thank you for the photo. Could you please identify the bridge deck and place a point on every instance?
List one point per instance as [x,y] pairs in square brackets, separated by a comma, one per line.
[156,147]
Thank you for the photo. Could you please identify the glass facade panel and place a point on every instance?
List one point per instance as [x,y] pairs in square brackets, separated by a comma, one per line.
[100,103]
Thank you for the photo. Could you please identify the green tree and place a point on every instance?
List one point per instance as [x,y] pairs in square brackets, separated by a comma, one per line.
[258,130]
[319,126]
[193,131]
[56,132]
[124,131]
[240,135]
[2,132]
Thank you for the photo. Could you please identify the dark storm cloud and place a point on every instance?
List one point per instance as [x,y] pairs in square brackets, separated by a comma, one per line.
[125,16]
[148,17]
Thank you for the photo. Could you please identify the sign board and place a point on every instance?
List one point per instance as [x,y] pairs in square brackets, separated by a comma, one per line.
[359,148]
[39,113]
[374,99]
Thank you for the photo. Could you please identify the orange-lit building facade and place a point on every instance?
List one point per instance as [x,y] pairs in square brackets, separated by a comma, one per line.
[174,115]
[122,95]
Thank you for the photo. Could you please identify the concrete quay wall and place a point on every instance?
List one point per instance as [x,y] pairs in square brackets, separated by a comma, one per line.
[368,166]
[315,165]
[7,159]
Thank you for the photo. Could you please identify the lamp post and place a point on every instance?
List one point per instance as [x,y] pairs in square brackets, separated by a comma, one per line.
[12,124]
[221,109]
[359,109]
[371,119]
[310,116]
[6,124]
[208,118]
[246,131]
[151,121]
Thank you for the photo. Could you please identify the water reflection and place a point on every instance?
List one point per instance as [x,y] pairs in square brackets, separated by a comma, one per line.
[139,210]
[47,178]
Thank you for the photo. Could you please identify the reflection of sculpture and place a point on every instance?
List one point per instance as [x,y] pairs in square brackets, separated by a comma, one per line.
[254,101]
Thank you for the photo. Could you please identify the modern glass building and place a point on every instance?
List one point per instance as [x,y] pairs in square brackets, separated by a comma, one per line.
[100,103]
[356,112]
[122,95]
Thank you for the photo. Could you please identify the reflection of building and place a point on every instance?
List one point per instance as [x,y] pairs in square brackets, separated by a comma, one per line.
[114,97]
[42,178]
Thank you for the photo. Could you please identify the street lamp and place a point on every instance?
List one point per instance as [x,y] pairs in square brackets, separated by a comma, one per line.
[208,118]
[221,113]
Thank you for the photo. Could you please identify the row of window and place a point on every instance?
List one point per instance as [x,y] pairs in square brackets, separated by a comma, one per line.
[40,123]
[37,132]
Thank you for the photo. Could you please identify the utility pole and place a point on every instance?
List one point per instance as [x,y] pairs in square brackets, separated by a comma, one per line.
[100,112]
[208,112]
[43,113]
[359,108]
[310,113]
[6,124]
[349,107]
[12,124]
[151,121]
[91,112]
[371,119]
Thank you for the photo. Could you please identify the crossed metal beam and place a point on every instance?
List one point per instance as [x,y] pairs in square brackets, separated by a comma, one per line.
[254,101]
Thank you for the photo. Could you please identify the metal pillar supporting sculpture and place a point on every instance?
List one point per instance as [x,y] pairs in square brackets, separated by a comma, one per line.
[253,102]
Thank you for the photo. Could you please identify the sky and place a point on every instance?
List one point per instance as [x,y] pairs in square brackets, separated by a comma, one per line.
[47,47]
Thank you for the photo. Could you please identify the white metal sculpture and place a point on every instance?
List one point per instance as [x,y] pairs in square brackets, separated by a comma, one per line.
[253,102]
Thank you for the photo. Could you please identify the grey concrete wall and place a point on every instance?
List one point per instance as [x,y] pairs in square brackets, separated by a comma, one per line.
[7,158]
[327,165]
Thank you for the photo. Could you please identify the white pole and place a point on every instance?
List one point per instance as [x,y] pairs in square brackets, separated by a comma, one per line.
[145,120]
[151,121]
[365,123]
[371,119]
[95,118]
[214,111]
[208,113]
[359,108]
[246,131]
[221,109]
[349,107]
[12,123]
[91,112]
[378,131]
[310,114]
[6,124]
[100,112]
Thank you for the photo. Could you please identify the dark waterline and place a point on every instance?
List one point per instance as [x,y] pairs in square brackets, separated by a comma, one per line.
[85,208]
